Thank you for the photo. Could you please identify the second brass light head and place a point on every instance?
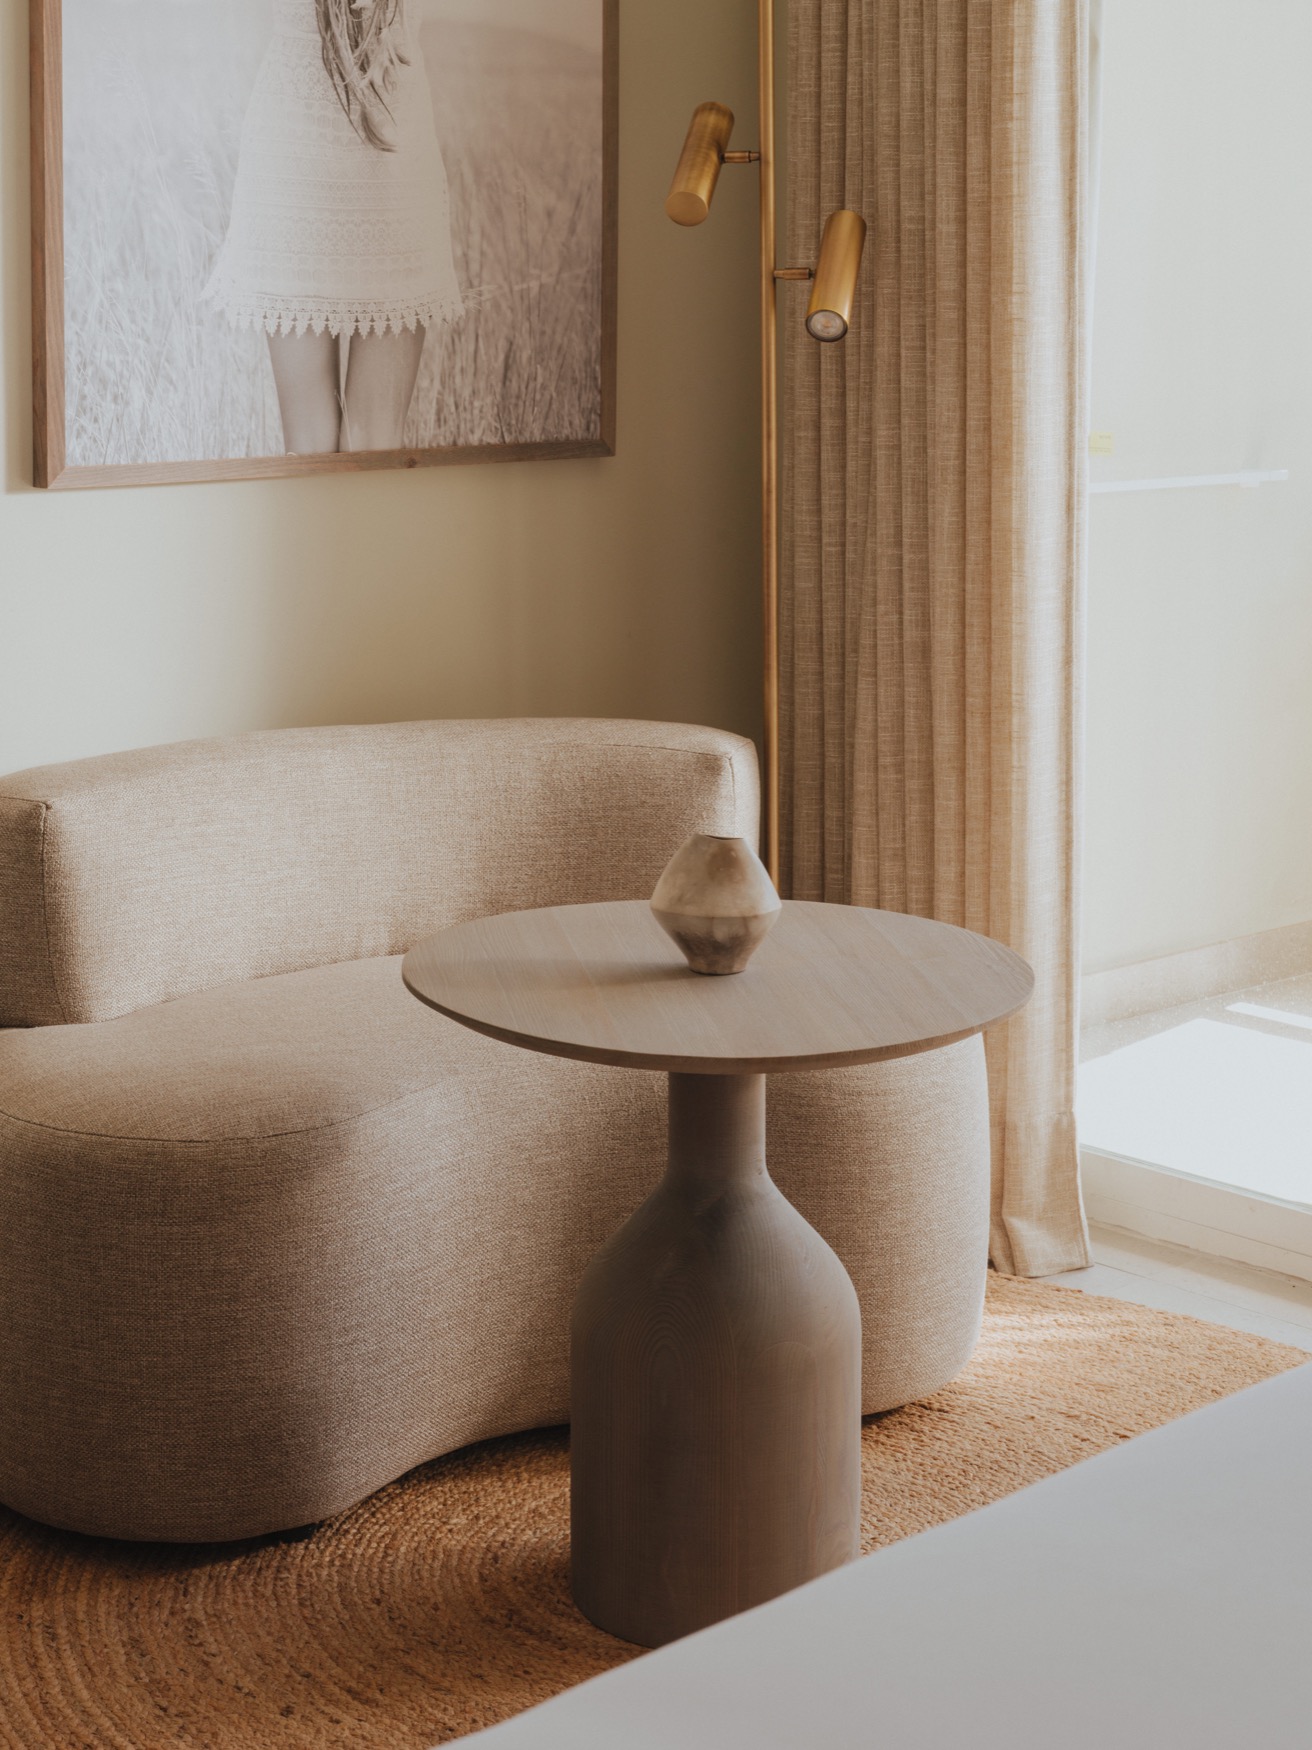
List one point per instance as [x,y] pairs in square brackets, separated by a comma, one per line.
[830,312]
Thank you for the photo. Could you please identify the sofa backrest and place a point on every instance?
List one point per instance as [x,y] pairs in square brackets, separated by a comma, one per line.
[137,877]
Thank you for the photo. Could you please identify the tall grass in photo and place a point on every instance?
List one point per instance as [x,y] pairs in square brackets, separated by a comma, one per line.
[155,92]
[519,117]
[153,99]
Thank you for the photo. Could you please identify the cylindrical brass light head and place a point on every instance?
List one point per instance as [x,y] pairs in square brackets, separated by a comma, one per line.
[830,311]
[709,132]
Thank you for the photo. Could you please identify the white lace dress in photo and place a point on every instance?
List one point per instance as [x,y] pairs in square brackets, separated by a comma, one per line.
[329,233]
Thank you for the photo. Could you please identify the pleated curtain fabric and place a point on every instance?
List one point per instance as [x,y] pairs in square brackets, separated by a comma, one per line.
[934,521]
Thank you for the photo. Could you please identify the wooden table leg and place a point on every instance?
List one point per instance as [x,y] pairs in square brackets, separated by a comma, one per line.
[716,1417]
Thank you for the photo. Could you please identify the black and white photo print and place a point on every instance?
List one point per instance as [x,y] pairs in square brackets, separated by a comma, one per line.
[304,234]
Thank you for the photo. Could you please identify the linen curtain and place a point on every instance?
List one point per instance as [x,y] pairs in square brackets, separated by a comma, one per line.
[934,521]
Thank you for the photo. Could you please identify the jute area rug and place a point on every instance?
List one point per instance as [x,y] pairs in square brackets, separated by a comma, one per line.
[442,1604]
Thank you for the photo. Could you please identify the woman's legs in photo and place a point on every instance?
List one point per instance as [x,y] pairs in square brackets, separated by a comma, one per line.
[307,372]
[381,370]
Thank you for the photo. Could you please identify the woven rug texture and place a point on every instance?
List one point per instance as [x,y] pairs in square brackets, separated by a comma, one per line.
[441,1605]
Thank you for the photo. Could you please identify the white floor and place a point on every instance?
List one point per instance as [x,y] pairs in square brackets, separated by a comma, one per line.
[1150,1274]
[1220,1090]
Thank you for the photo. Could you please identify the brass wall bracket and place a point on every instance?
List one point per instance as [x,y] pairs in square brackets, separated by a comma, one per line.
[742,157]
[794,273]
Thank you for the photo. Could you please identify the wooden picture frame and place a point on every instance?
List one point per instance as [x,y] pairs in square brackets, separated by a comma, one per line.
[54,467]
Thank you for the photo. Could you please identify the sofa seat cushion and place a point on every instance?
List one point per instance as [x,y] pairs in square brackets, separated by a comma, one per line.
[265,1058]
[267,1247]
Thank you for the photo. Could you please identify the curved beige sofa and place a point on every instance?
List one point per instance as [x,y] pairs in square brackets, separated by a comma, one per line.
[271,1232]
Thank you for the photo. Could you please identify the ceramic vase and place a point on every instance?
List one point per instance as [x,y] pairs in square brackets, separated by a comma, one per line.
[717,902]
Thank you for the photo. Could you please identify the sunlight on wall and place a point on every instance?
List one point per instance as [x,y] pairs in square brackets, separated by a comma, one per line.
[1199,791]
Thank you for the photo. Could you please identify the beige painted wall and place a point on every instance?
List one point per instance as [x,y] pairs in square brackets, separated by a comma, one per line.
[1199,823]
[626,586]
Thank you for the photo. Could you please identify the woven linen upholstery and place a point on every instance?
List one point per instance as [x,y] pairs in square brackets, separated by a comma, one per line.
[27,987]
[267,1245]
[141,876]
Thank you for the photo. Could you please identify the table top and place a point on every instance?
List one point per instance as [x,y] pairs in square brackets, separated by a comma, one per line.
[831,985]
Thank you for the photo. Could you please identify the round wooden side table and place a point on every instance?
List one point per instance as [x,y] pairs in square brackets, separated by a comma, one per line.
[716,1339]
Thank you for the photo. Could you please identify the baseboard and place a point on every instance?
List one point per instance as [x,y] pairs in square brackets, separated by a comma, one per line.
[1200,972]
[1216,1219]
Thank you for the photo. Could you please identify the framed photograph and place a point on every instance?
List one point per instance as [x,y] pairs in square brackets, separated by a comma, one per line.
[292,236]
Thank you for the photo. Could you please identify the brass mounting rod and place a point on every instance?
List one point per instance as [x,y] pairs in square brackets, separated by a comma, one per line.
[770,785]
[705,151]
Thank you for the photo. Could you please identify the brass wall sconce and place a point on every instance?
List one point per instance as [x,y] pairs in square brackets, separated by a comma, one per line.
[833,282]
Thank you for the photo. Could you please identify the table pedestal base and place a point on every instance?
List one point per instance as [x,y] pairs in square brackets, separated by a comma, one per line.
[715,1397]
